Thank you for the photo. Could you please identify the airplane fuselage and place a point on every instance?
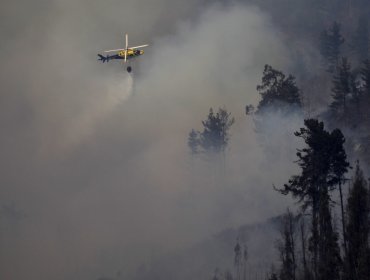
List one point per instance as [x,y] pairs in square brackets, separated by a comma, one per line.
[130,54]
[123,54]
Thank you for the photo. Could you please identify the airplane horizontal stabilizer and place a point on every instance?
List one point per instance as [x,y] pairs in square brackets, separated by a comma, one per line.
[103,58]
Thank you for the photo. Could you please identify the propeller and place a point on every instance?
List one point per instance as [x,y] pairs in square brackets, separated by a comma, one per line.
[137,47]
[130,48]
[126,47]
[116,50]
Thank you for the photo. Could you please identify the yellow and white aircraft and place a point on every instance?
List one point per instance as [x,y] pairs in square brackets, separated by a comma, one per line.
[125,54]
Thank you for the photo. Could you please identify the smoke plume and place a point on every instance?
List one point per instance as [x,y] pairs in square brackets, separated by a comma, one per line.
[97,160]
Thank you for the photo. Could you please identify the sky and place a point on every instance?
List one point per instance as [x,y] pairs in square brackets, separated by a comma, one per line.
[96,174]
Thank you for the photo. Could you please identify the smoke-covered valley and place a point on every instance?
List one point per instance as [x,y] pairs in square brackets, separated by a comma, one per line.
[97,178]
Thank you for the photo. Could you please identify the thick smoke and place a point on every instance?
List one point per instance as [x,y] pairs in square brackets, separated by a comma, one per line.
[96,161]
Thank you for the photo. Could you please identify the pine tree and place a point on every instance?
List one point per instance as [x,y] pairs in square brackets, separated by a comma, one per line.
[357,259]
[330,46]
[343,86]
[339,167]
[318,163]
[313,161]
[215,135]
[193,142]
[277,90]
[329,261]
[306,272]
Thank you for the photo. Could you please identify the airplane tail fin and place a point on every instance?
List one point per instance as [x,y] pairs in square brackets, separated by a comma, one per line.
[103,58]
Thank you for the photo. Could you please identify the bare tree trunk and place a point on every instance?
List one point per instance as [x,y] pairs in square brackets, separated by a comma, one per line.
[291,233]
[343,218]
[303,243]
[315,237]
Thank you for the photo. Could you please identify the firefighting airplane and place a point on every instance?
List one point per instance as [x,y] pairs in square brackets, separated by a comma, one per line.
[125,54]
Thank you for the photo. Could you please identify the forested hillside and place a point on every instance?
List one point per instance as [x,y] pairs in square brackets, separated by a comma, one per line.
[327,237]
[237,147]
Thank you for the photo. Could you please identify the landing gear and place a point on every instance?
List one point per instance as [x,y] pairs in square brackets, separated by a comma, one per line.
[129,69]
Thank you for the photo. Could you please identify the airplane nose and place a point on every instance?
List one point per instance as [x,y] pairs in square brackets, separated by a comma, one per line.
[141,52]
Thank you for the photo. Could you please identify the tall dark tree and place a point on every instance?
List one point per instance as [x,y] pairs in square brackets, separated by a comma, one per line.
[329,261]
[339,167]
[313,161]
[312,186]
[277,90]
[343,89]
[305,268]
[330,46]
[357,259]
[215,135]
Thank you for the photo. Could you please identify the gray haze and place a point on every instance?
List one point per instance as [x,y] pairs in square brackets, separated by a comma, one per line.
[95,171]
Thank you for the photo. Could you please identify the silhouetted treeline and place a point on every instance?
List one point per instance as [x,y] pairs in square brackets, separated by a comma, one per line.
[328,239]
[330,253]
